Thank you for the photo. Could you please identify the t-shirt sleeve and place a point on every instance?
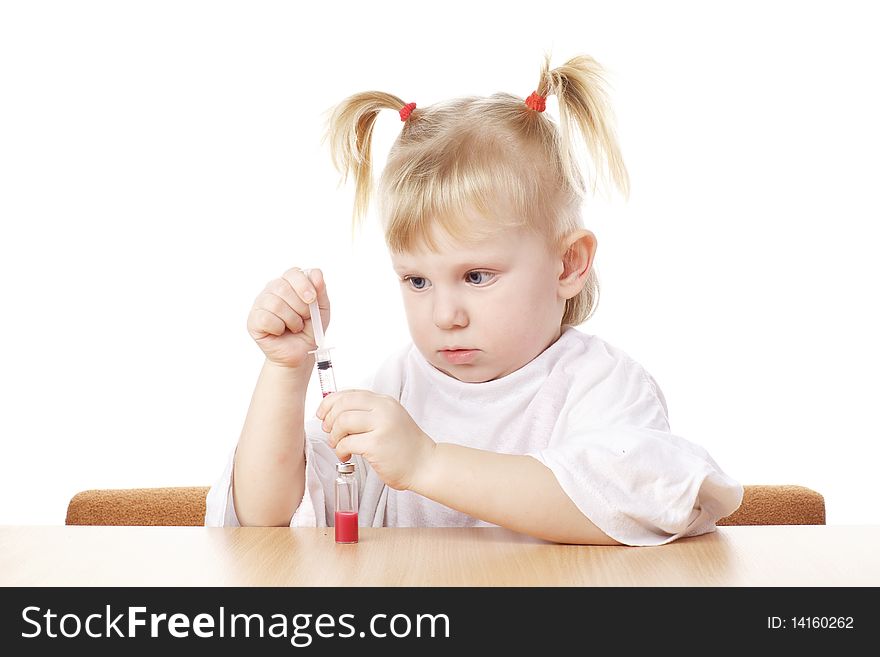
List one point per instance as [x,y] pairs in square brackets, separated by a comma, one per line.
[317,506]
[312,510]
[614,456]
[219,510]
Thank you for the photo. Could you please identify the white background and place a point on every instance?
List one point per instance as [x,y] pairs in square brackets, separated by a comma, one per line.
[161,161]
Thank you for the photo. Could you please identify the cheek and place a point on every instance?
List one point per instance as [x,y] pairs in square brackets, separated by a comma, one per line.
[522,315]
[509,316]
[528,299]
[416,316]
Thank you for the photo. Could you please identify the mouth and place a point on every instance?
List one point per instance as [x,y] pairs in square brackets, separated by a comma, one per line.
[459,356]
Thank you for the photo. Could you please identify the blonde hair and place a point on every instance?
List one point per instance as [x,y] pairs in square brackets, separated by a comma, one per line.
[492,155]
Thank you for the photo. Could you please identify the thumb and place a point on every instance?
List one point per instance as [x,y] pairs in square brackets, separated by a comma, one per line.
[316,276]
[352,444]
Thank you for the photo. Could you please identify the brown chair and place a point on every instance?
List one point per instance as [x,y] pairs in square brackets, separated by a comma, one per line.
[761,505]
[138,506]
[778,505]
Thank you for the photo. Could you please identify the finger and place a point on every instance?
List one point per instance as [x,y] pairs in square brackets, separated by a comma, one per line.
[348,423]
[342,401]
[316,278]
[328,402]
[325,405]
[280,308]
[281,288]
[301,285]
[354,444]
[262,323]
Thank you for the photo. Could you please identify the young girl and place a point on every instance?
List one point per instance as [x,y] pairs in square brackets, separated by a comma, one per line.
[500,412]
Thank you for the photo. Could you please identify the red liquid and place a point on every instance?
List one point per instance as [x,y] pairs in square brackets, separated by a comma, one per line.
[346,527]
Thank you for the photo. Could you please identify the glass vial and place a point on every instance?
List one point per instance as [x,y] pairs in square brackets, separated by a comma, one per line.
[346,503]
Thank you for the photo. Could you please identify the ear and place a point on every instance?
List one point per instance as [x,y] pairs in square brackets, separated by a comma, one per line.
[578,250]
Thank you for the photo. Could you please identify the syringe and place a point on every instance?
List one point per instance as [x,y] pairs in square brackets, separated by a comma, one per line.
[346,517]
[322,353]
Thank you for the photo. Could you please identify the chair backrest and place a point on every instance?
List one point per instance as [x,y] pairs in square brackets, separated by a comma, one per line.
[761,505]
[778,505]
[138,506]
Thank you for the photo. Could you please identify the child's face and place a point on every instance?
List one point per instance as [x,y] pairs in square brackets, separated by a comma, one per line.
[499,299]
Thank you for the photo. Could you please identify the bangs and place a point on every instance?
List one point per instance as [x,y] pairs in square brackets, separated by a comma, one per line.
[471,187]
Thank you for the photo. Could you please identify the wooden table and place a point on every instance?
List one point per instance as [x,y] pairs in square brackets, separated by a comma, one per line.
[172,556]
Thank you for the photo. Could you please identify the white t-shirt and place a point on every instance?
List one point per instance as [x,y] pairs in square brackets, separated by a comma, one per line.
[582,407]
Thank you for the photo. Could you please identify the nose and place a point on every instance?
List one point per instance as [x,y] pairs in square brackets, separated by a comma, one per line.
[449,311]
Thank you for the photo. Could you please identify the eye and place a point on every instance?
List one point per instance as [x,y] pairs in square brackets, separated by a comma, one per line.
[479,277]
[416,282]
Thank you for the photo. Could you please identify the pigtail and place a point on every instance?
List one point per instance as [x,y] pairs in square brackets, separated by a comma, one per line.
[350,131]
[579,87]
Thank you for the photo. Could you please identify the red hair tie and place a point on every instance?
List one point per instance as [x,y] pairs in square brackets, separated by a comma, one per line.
[406,110]
[536,102]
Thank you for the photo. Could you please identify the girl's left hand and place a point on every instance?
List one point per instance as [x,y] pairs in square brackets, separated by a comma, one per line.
[379,429]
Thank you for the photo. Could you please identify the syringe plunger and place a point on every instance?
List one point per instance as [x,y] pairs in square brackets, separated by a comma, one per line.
[317,326]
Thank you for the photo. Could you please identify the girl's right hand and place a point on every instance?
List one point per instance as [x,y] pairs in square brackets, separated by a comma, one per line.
[280,322]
